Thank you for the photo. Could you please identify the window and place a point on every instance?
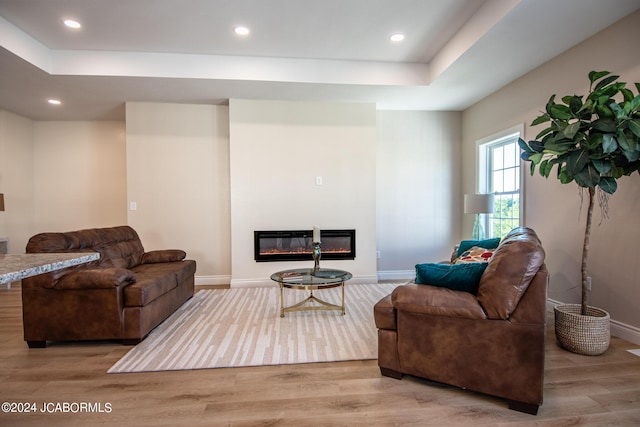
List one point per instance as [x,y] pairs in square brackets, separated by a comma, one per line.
[499,174]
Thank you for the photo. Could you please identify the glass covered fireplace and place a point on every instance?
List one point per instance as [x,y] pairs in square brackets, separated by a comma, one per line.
[297,245]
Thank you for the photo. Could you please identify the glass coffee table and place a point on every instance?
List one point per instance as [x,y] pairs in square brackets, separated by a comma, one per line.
[310,279]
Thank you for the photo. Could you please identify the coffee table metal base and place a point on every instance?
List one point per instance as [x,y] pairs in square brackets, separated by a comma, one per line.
[311,279]
[305,303]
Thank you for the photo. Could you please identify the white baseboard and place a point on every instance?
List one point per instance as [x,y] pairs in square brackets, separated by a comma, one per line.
[212,280]
[396,275]
[626,332]
[618,329]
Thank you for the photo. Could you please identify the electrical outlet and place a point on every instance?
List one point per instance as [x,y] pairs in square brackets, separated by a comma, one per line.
[589,283]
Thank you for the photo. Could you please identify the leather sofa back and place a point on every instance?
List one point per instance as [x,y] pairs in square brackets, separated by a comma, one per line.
[118,246]
[509,272]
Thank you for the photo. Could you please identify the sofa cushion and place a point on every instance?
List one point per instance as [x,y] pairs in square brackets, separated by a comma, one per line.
[509,272]
[163,255]
[458,277]
[436,301]
[152,281]
[95,278]
[119,246]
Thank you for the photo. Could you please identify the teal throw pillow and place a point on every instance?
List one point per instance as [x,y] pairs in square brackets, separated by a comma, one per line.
[458,277]
[465,245]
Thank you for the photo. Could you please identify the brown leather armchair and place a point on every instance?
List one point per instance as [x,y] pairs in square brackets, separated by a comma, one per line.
[492,342]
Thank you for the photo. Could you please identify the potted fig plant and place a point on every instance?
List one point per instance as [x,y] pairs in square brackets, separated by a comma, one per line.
[593,140]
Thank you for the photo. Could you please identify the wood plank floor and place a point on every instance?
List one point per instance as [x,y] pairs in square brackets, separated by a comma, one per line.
[579,390]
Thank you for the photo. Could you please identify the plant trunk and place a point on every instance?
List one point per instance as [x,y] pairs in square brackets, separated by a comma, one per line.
[585,250]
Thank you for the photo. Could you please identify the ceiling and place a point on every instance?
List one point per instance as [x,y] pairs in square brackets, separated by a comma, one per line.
[455,52]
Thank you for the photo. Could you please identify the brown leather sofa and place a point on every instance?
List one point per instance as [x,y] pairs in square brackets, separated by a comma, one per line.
[121,296]
[492,342]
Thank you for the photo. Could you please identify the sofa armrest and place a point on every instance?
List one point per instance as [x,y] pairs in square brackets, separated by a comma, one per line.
[99,278]
[427,299]
[163,255]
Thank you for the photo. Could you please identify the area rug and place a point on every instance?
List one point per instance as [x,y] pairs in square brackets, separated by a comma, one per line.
[242,327]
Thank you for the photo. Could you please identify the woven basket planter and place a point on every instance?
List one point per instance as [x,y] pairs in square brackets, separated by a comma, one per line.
[582,334]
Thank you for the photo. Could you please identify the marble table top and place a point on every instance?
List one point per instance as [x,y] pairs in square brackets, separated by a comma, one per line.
[14,267]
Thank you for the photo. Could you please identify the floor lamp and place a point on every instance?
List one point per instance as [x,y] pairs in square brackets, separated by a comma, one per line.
[478,204]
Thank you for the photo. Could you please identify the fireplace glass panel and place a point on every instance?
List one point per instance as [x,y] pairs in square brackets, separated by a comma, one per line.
[287,245]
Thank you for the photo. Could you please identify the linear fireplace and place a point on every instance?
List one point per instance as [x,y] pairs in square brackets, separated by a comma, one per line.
[288,245]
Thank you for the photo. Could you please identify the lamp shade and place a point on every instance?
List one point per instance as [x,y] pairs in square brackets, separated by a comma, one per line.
[1,202]
[478,203]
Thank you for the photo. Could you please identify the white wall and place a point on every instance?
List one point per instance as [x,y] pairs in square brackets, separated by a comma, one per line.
[60,176]
[178,175]
[277,150]
[552,209]
[16,180]
[79,175]
[419,203]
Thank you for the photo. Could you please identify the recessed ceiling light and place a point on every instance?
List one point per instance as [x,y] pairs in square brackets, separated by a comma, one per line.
[397,37]
[54,101]
[241,31]
[72,23]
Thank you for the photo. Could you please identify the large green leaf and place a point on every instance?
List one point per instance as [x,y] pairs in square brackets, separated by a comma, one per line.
[632,156]
[627,94]
[609,143]
[570,131]
[604,112]
[546,167]
[577,161]
[523,144]
[608,184]
[617,172]
[541,119]
[531,146]
[560,112]
[535,158]
[545,132]
[563,176]
[574,102]
[602,166]
[613,89]
[620,112]
[604,125]
[624,143]
[596,75]
[558,147]
[634,126]
[588,177]
[594,143]
[602,83]
[551,102]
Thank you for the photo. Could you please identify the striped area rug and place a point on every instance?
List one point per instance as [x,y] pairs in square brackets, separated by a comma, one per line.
[242,327]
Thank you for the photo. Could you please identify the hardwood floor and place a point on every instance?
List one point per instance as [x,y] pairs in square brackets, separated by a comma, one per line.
[579,390]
